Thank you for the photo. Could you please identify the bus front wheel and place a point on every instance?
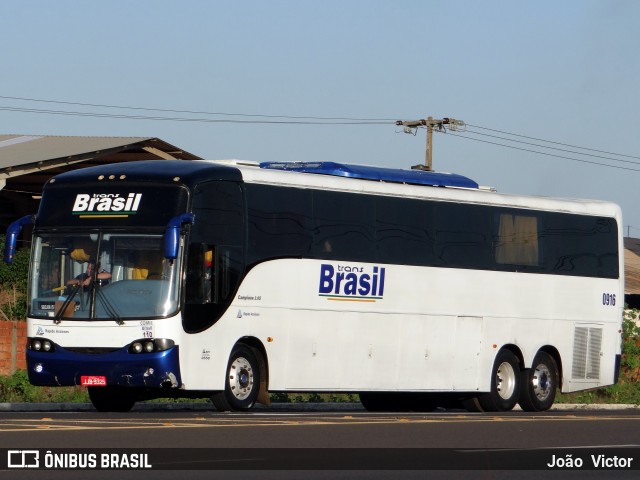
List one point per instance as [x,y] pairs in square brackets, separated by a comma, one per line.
[505,384]
[242,384]
[539,384]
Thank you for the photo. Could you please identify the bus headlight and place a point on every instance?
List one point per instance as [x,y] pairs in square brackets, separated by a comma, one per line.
[163,344]
[151,345]
[41,345]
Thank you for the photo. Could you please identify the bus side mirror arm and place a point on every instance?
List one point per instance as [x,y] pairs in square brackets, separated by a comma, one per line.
[172,234]
[12,236]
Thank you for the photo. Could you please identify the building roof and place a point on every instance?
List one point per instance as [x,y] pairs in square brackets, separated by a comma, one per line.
[18,151]
[632,266]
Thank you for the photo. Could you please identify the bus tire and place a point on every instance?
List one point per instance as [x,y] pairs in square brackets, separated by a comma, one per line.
[242,384]
[539,384]
[505,384]
[111,399]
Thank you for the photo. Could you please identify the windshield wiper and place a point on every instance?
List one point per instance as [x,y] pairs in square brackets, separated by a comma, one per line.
[99,295]
[58,317]
[108,306]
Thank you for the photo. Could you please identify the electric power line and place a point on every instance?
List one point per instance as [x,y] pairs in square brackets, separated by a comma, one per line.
[546,154]
[562,149]
[189,119]
[253,118]
[198,112]
[556,143]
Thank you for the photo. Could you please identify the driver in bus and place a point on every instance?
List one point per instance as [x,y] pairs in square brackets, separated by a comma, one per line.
[80,255]
[84,279]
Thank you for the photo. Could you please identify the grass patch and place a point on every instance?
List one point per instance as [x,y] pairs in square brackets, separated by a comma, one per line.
[282,397]
[17,389]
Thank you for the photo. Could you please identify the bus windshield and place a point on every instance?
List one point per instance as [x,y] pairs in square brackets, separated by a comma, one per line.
[102,276]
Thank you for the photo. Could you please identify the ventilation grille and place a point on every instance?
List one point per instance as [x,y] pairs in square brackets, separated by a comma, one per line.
[92,350]
[586,353]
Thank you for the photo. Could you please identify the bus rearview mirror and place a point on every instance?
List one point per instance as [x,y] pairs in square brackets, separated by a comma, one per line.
[12,236]
[172,234]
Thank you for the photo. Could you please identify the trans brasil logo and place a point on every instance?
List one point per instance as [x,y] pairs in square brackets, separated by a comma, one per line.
[351,283]
[106,205]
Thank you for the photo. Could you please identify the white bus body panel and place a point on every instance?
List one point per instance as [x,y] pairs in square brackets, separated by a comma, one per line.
[435,329]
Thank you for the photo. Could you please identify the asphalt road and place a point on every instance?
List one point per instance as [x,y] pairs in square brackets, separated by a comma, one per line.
[328,442]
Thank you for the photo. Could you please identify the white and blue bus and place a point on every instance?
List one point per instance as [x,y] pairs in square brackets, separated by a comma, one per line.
[230,280]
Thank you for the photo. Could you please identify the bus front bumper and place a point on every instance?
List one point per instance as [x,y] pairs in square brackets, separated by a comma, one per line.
[118,368]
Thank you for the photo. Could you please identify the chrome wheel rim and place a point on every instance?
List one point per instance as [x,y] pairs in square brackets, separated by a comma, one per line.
[241,378]
[541,382]
[505,380]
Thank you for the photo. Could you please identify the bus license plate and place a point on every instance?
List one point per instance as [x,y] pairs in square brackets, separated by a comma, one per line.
[93,381]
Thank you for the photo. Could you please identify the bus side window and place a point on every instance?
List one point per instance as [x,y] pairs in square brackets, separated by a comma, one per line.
[228,271]
[208,274]
[215,255]
[201,274]
[517,240]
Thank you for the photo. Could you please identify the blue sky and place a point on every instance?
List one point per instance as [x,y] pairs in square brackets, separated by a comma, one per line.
[565,71]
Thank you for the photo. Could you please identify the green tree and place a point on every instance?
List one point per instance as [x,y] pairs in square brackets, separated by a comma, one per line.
[13,285]
[630,365]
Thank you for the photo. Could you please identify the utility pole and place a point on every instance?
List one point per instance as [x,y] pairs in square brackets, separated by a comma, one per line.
[429,123]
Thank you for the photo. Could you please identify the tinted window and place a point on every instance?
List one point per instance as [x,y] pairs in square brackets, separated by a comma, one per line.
[344,226]
[405,231]
[580,245]
[303,223]
[215,258]
[280,222]
[463,238]
[219,213]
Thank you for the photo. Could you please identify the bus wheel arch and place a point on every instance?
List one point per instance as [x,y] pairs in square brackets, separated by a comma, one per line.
[541,381]
[246,377]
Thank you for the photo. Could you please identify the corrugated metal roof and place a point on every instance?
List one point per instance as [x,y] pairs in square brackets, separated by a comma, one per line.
[16,150]
[632,266]
[631,273]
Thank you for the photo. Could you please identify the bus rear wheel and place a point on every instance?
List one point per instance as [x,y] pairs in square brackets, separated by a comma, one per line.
[111,399]
[539,384]
[242,384]
[505,384]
